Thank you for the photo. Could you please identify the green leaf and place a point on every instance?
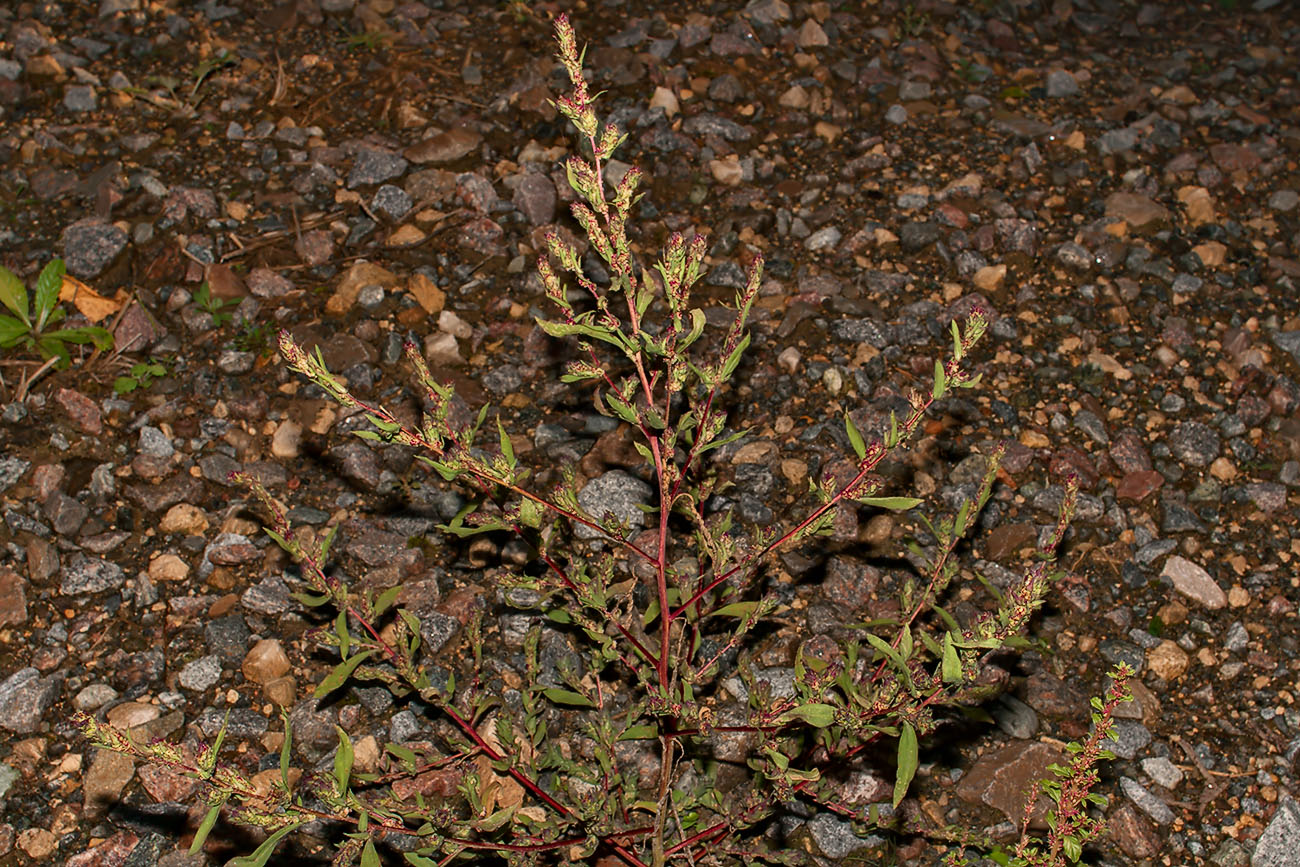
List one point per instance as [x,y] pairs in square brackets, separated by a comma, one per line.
[897,504]
[343,761]
[386,599]
[285,749]
[567,696]
[47,291]
[733,360]
[13,294]
[951,668]
[907,762]
[639,733]
[125,385]
[1071,847]
[264,852]
[12,331]
[369,857]
[698,321]
[735,609]
[815,714]
[940,380]
[507,448]
[884,647]
[341,673]
[327,542]
[621,409]
[341,630]
[855,438]
[206,826]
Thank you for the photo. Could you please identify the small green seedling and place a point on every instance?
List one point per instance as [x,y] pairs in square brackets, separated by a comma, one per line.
[142,375]
[214,306]
[29,327]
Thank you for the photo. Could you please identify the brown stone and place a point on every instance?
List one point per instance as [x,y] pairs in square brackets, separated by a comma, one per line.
[265,661]
[107,776]
[1001,778]
[1167,661]
[1137,210]
[445,147]
[13,599]
[1139,485]
[1007,540]
[82,411]
[1132,831]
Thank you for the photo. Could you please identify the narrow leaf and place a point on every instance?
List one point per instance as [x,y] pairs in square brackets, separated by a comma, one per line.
[568,696]
[343,761]
[264,852]
[907,762]
[341,673]
[206,826]
[47,291]
[952,672]
[507,448]
[369,857]
[736,609]
[815,714]
[855,438]
[896,504]
[285,749]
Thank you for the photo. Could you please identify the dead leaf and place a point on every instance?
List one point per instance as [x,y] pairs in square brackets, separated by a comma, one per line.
[88,302]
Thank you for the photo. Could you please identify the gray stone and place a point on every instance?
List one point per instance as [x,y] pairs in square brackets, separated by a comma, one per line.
[85,574]
[391,200]
[201,675]
[1061,84]
[1130,738]
[823,239]
[154,443]
[1148,803]
[1279,845]
[24,698]
[1284,200]
[1194,582]
[1195,443]
[1117,141]
[896,115]
[1288,341]
[1164,772]
[11,470]
[616,493]
[91,245]
[80,98]
[535,198]
[834,836]
[374,166]
[1015,717]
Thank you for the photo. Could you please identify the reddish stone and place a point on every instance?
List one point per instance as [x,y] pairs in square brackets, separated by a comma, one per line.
[1234,157]
[1069,461]
[1132,832]
[1139,485]
[13,600]
[1129,452]
[1001,778]
[81,410]
[112,852]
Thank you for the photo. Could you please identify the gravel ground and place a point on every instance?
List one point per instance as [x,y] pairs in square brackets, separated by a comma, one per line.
[1116,183]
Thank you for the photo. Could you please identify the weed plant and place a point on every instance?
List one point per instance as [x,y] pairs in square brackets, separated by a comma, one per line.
[617,759]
